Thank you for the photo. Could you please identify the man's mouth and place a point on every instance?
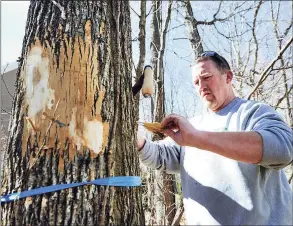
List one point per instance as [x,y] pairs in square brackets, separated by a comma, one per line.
[205,94]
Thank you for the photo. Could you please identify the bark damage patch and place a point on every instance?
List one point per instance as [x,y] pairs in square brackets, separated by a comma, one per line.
[63,97]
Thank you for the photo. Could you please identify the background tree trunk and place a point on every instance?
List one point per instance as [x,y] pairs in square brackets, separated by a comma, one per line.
[74,117]
[163,187]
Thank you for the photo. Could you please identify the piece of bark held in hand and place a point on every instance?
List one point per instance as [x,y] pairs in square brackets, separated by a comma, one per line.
[154,127]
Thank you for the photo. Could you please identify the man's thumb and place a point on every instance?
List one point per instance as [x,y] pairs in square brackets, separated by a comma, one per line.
[169,133]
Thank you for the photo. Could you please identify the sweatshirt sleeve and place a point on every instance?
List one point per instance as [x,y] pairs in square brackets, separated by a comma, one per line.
[161,155]
[277,137]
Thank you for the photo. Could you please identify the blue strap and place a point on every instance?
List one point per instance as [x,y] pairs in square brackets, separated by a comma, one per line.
[123,181]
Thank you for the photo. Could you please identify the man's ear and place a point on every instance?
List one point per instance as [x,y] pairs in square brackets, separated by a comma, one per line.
[229,77]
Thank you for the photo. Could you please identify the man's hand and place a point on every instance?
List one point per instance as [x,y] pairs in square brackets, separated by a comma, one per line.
[179,129]
[140,142]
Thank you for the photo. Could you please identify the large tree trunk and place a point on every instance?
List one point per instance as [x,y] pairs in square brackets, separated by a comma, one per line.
[75,68]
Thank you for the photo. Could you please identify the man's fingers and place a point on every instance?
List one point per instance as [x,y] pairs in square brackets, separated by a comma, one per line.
[171,125]
[169,133]
[170,119]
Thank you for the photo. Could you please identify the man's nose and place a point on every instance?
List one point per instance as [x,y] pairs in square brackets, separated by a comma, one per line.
[202,84]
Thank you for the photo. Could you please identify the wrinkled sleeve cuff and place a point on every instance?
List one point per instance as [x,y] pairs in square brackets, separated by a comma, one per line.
[145,152]
[273,154]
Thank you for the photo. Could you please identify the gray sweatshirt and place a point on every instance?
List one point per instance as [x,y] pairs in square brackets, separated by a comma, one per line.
[221,191]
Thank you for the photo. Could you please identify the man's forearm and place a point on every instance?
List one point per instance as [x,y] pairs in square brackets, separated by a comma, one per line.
[140,143]
[240,146]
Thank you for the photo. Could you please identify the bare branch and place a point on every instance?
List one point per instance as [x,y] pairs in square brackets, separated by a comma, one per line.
[5,82]
[283,97]
[254,37]
[175,27]
[287,30]
[135,11]
[149,11]
[284,108]
[5,111]
[265,72]
[216,13]
[282,68]
[178,215]
[235,12]
[230,37]
[182,58]
[180,39]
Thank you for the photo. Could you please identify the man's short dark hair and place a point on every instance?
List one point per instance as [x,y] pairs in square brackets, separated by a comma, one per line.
[221,62]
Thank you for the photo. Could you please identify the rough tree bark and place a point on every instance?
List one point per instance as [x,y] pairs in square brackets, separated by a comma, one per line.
[191,26]
[74,118]
[141,39]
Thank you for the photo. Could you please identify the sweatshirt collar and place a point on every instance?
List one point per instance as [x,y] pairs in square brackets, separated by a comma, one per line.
[226,109]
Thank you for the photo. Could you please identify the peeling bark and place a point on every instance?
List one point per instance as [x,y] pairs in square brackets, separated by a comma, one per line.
[72,107]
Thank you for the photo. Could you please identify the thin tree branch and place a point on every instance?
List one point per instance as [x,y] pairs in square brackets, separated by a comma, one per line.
[265,73]
[5,82]
[149,11]
[283,97]
[287,30]
[282,68]
[220,4]
[178,215]
[134,10]
[255,39]
[230,37]
[175,27]
[235,12]
[180,39]
[5,111]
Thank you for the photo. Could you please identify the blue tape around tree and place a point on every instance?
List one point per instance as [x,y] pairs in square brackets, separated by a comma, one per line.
[122,181]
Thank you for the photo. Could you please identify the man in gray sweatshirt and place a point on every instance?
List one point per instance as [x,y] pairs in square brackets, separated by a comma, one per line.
[230,159]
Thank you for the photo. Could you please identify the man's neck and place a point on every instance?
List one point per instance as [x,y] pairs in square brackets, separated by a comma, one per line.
[225,103]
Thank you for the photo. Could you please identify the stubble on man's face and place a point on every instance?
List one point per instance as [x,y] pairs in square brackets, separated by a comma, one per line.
[208,83]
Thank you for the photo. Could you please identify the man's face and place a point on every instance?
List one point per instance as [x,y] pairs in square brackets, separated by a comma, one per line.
[212,85]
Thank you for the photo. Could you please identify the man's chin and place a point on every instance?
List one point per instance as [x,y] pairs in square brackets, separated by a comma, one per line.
[209,104]
[206,102]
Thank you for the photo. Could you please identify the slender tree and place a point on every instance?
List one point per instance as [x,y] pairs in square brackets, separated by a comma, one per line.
[163,203]
[73,117]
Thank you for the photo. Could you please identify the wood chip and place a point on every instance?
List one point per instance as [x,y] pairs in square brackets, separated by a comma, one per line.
[154,127]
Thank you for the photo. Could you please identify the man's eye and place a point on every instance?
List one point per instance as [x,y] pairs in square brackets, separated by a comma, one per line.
[196,82]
